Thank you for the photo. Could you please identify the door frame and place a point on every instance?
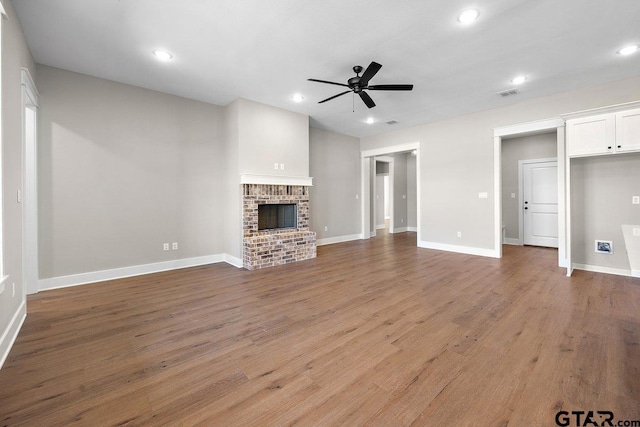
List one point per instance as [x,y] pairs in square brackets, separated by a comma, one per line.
[30,269]
[366,157]
[524,129]
[521,164]
[389,160]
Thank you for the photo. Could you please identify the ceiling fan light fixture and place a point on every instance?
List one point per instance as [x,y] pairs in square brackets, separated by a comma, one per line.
[628,50]
[468,16]
[370,120]
[518,80]
[297,98]
[162,55]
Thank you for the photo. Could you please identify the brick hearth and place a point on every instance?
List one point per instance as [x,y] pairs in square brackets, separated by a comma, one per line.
[266,248]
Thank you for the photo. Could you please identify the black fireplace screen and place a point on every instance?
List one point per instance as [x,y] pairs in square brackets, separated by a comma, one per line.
[277,216]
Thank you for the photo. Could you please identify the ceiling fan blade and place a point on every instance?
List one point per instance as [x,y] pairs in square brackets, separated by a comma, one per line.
[371,71]
[367,99]
[331,83]
[390,87]
[334,96]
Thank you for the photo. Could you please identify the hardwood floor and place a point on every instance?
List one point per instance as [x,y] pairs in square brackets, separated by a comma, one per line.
[374,332]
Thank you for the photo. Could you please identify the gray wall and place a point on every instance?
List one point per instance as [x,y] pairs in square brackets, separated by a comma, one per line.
[412,202]
[540,146]
[123,170]
[335,168]
[601,191]
[15,54]
[458,160]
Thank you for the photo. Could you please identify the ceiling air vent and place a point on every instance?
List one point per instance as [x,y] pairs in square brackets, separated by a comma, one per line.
[508,92]
[391,122]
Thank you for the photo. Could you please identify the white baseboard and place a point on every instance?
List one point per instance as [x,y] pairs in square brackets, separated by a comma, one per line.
[231,260]
[511,241]
[469,250]
[380,226]
[400,229]
[135,270]
[601,269]
[338,239]
[414,229]
[11,332]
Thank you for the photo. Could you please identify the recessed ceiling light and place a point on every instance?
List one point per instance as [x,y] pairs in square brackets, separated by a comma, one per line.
[297,97]
[468,16]
[162,55]
[370,120]
[518,80]
[628,50]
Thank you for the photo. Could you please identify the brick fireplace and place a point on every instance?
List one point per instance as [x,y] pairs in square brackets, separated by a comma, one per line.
[266,248]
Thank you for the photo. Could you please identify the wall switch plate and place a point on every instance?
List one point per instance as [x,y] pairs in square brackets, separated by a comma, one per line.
[636,231]
[275,166]
[326,228]
[459,233]
[483,195]
[357,196]
[19,196]
[635,200]
[513,195]
[404,196]
[165,246]
[174,246]
[401,220]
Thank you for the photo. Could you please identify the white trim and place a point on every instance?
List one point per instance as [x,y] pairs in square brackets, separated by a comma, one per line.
[601,269]
[390,149]
[11,332]
[390,161]
[381,226]
[401,230]
[365,188]
[3,14]
[528,128]
[275,180]
[601,110]
[412,229]
[134,270]
[458,249]
[338,239]
[232,260]
[511,241]
[497,199]
[30,98]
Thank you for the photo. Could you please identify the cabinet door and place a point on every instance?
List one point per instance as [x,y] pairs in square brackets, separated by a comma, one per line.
[628,131]
[591,135]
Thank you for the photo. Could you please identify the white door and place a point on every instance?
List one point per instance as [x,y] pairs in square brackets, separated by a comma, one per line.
[540,210]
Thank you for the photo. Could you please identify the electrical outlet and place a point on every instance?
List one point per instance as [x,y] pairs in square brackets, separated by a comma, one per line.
[459,234]
[401,220]
[513,195]
[483,195]
[174,246]
[165,246]
[404,196]
[635,200]
[357,196]
[326,228]
[281,166]
[19,196]
[275,166]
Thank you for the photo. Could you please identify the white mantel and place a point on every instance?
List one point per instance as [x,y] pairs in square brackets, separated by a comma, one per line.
[275,180]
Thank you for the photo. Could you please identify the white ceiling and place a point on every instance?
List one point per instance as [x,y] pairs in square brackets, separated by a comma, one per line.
[265,50]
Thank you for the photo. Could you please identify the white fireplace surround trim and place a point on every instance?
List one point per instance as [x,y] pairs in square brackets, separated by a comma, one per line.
[276,180]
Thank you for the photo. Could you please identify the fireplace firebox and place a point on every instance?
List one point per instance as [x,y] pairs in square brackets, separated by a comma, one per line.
[276,216]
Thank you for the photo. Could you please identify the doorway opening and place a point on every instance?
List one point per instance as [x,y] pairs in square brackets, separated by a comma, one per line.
[529,181]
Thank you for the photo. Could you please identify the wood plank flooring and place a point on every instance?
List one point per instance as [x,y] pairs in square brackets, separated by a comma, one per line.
[375,332]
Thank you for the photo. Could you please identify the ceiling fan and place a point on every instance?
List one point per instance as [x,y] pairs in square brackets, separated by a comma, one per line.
[359,83]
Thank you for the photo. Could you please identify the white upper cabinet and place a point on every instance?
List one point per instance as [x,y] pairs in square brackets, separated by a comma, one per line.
[591,135]
[615,132]
[628,130]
